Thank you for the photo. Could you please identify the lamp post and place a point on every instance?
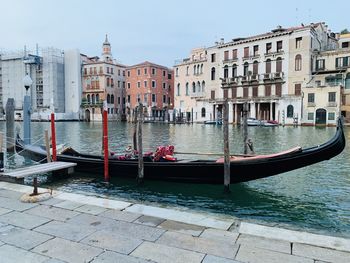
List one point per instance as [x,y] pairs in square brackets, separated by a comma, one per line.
[27,82]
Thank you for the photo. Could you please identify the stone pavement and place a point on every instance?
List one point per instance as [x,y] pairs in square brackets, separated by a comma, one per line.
[77,228]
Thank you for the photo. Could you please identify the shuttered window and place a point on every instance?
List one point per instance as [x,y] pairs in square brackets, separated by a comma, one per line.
[278,90]
[297,89]
[267,90]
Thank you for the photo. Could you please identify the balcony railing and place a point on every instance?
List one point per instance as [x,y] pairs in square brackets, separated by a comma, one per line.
[230,60]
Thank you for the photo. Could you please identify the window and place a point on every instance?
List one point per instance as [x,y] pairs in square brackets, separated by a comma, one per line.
[290,111]
[128,72]
[298,42]
[123,73]
[112,99]
[138,72]
[234,71]
[139,84]
[267,90]
[234,53]
[331,116]
[331,96]
[187,91]
[164,98]
[95,71]
[153,83]
[169,75]
[245,69]
[268,66]
[226,55]
[320,64]
[194,70]
[118,72]
[225,93]
[342,62]
[297,89]
[345,44]
[203,86]
[310,116]
[311,97]
[246,52]
[145,98]
[298,62]
[85,71]
[226,72]
[178,89]
[278,89]
[255,67]
[164,73]
[213,57]
[177,72]
[213,73]
[129,85]
[145,83]
[255,50]
[279,46]
[193,87]
[145,71]
[111,72]
[153,71]
[245,92]
[279,64]
[164,85]
[212,94]
[268,48]
[255,91]
[154,98]
[203,112]
[108,82]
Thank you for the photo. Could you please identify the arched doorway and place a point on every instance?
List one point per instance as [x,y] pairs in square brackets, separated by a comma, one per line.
[87,115]
[321,117]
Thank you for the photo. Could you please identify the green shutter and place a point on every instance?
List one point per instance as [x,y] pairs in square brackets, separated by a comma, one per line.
[336,62]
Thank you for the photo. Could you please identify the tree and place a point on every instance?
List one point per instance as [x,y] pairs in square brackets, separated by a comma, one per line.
[344,31]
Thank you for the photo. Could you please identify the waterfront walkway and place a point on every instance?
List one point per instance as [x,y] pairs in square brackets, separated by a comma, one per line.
[77,228]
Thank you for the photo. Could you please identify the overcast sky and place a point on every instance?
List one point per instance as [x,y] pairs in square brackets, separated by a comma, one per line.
[159,31]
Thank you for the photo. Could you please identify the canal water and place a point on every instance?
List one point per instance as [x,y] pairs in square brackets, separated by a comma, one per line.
[314,198]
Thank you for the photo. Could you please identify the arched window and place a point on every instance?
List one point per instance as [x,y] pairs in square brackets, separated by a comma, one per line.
[178,89]
[93,99]
[298,62]
[226,72]
[193,87]
[279,64]
[201,68]
[347,81]
[112,99]
[268,66]
[212,73]
[187,69]
[88,99]
[234,71]
[108,82]
[290,111]
[108,98]
[187,91]
[255,67]
[97,98]
[177,72]
[203,86]
[203,112]
[245,69]
[198,86]
[194,69]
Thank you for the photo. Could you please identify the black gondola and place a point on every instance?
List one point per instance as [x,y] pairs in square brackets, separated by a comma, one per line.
[200,171]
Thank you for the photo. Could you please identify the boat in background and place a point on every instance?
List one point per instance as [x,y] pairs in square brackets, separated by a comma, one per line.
[243,168]
[253,122]
[213,122]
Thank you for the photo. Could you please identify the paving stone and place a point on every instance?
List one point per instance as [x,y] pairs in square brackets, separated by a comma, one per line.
[319,253]
[51,201]
[65,230]
[68,251]
[121,215]
[97,222]
[51,212]
[165,254]
[258,255]
[215,259]
[68,205]
[221,235]
[112,257]
[112,241]
[23,238]
[52,260]
[11,254]
[265,243]
[23,220]
[182,227]
[10,194]
[149,220]
[4,211]
[136,230]
[203,245]
[91,209]
[15,204]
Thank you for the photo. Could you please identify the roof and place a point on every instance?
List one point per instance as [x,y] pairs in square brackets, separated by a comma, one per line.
[148,64]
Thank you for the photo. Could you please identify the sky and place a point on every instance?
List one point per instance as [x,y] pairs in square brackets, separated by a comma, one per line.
[159,31]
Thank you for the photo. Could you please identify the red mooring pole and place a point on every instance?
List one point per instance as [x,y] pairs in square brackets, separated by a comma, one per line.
[53,137]
[105,143]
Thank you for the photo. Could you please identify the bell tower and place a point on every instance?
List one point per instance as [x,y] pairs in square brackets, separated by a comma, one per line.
[106,50]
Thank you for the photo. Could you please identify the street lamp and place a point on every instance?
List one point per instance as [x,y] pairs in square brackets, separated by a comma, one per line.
[27,82]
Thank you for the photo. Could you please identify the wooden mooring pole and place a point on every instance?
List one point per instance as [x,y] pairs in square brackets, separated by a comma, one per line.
[245,127]
[134,140]
[53,137]
[139,146]
[2,162]
[227,178]
[105,142]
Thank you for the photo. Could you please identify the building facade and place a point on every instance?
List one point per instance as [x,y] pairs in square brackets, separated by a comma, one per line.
[103,80]
[153,86]
[267,71]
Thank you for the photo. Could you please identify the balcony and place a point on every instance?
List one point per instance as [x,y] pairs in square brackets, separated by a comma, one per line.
[267,76]
[230,60]
[332,104]
[278,75]
[254,77]
[274,54]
